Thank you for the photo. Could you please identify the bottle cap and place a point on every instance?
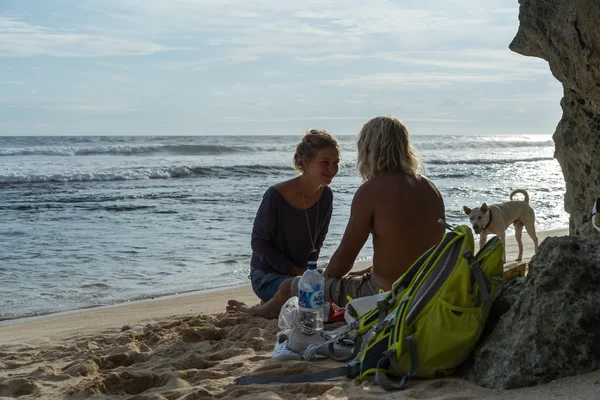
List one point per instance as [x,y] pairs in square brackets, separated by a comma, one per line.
[311,265]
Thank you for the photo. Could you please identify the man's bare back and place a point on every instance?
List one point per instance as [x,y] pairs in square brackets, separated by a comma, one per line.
[401,212]
[405,215]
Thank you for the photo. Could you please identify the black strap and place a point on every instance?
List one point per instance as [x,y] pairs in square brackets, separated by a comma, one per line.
[390,355]
[482,281]
[383,307]
[350,370]
[490,221]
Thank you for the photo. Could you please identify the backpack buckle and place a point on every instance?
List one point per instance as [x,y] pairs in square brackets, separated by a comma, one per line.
[389,353]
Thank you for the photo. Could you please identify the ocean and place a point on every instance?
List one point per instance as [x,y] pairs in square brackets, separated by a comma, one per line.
[92,221]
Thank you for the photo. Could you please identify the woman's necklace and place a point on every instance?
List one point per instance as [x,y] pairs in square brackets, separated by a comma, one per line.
[312,241]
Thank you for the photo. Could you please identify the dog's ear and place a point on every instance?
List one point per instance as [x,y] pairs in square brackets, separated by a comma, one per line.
[467,210]
[484,208]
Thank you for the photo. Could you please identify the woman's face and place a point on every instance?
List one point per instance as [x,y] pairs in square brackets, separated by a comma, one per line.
[323,166]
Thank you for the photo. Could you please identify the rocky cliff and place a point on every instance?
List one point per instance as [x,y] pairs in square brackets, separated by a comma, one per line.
[547,325]
[567,35]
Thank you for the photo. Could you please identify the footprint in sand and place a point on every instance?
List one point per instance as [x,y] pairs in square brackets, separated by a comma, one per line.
[200,334]
[301,391]
[194,361]
[19,387]
[123,359]
[48,373]
[259,358]
[223,354]
[125,383]
[83,368]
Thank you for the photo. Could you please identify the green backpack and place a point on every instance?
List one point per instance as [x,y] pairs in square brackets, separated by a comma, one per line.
[430,321]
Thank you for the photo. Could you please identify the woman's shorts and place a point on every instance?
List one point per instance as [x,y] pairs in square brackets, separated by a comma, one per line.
[266,284]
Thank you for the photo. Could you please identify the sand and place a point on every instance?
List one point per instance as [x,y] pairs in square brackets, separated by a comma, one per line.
[187,347]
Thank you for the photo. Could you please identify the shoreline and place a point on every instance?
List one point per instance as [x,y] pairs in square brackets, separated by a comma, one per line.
[138,300]
[82,321]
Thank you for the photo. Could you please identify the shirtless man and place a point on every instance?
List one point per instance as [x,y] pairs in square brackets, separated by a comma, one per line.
[397,205]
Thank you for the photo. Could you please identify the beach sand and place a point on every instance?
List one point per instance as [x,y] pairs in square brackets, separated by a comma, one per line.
[187,347]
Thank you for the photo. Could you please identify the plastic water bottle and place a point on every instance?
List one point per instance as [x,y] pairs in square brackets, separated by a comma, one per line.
[310,300]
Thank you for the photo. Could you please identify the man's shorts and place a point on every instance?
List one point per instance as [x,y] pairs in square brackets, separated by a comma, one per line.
[337,290]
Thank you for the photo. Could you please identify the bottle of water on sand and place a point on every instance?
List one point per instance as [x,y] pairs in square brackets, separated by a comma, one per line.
[310,300]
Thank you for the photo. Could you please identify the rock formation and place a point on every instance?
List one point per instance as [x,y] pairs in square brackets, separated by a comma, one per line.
[567,35]
[550,326]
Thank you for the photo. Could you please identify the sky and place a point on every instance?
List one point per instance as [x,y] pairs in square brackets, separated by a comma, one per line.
[214,67]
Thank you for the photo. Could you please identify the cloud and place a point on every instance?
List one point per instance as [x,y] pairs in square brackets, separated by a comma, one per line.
[510,11]
[335,57]
[12,83]
[464,59]
[274,74]
[520,100]
[292,119]
[94,108]
[21,39]
[296,58]
[432,80]
[238,31]
[435,120]
[415,118]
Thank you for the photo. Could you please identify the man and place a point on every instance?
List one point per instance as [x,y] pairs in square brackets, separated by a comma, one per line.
[397,205]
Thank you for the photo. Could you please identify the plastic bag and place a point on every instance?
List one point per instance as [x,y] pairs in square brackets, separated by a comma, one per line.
[288,314]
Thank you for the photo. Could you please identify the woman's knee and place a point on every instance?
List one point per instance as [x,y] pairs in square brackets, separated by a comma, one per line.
[285,289]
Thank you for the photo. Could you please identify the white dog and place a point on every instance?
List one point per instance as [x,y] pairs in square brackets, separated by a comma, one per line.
[496,218]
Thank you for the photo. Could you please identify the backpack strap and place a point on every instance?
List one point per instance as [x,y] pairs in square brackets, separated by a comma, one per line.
[349,370]
[480,278]
[358,341]
[390,355]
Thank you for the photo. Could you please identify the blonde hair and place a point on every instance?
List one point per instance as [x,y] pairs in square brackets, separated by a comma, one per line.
[383,145]
[313,141]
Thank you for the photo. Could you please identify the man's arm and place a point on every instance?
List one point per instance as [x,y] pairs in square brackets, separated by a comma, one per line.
[356,234]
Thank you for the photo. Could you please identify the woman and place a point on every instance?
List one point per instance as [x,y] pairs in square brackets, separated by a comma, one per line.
[293,218]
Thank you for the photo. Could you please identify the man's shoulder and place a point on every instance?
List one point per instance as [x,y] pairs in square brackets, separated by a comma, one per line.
[390,183]
[400,178]
[383,181]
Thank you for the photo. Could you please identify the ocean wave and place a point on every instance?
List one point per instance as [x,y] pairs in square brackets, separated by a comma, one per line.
[123,150]
[275,144]
[450,175]
[474,142]
[41,207]
[347,168]
[486,161]
[145,173]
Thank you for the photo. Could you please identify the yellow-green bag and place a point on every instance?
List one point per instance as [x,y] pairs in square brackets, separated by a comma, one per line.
[434,321]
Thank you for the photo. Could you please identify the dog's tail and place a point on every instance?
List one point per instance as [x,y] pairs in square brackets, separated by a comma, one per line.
[523,192]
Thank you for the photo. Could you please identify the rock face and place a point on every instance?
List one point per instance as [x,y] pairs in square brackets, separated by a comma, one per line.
[550,326]
[567,35]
